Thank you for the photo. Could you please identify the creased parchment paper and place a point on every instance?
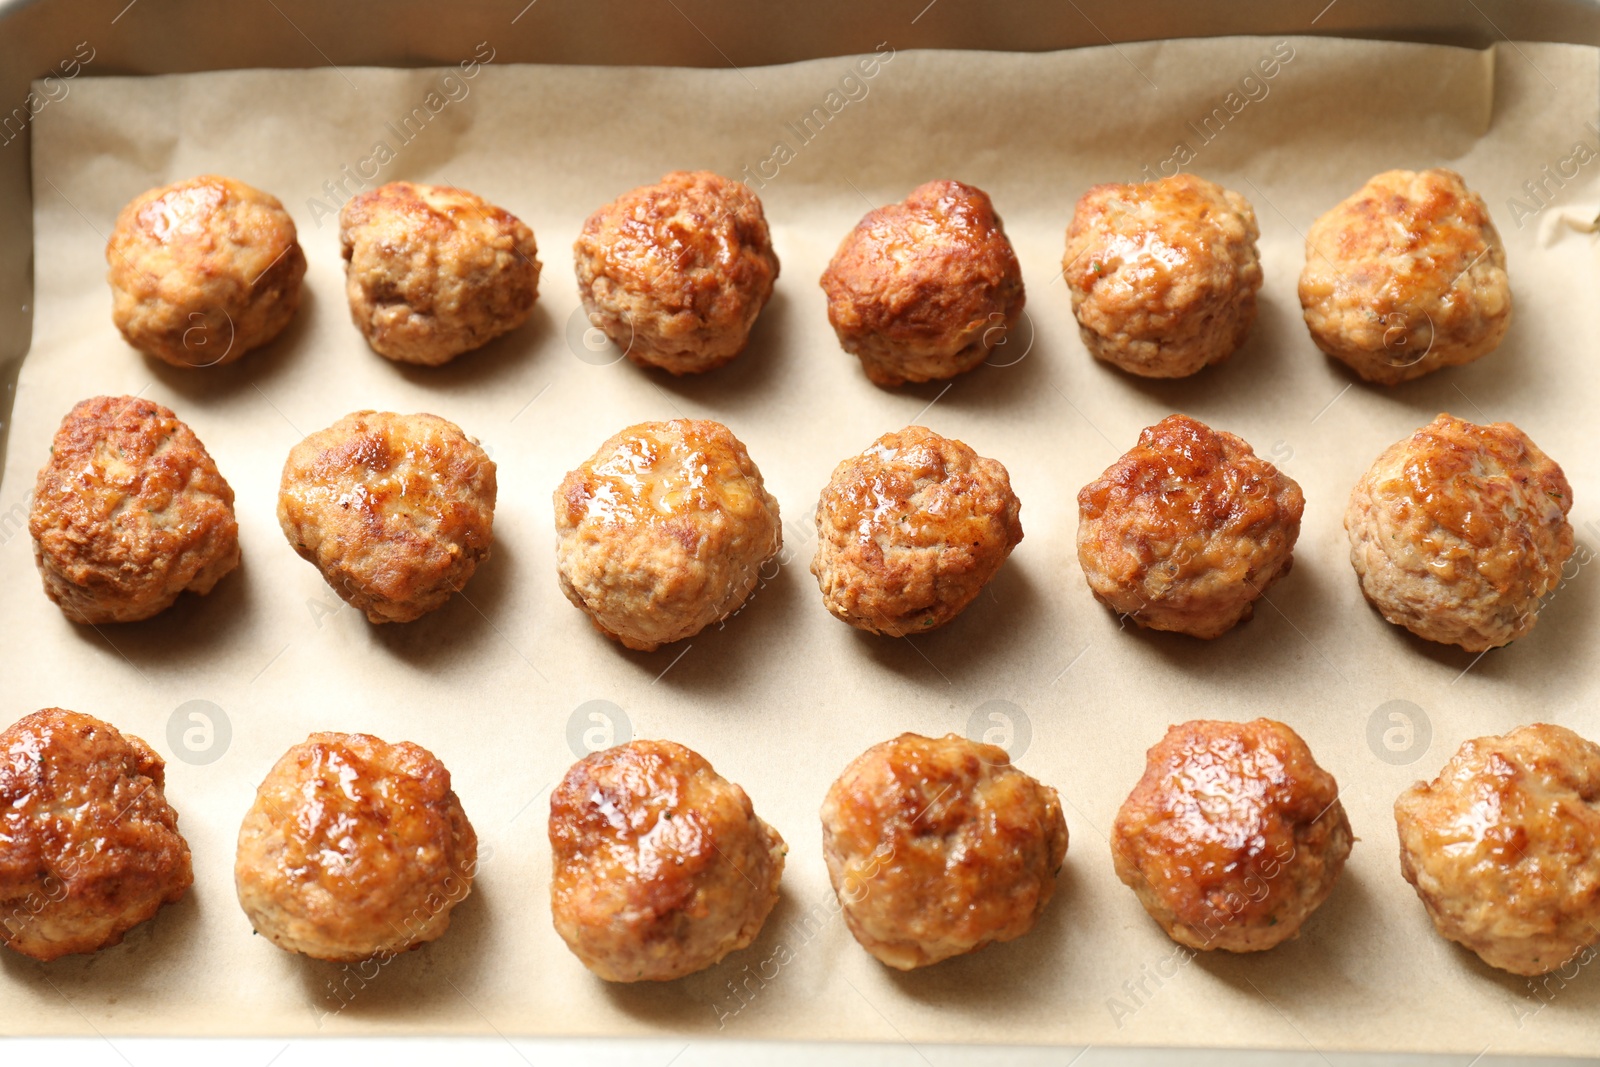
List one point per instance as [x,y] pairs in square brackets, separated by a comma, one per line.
[782,696]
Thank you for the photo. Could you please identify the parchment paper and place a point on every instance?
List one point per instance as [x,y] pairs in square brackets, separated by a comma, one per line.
[498,683]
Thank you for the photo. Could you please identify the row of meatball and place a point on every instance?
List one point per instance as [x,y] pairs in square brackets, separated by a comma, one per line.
[1457,532]
[356,848]
[1405,276]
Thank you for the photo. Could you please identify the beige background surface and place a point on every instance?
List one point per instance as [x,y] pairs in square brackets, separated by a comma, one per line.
[784,695]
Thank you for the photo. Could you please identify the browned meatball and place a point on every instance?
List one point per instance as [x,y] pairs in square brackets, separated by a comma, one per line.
[203,270]
[1457,531]
[910,531]
[1405,276]
[664,531]
[925,288]
[1188,529]
[129,512]
[675,273]
[1163,274]
[1234,835]
[89,846]
[355,848]
[938,847]
[660,865]
[396,511]
[1504,847]
[432,271]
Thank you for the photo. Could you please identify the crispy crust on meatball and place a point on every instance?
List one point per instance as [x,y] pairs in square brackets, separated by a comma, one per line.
[911,530]
[433,271]
[355,848]
[926,288]
[1406,276]
[1457,531]
[675,273]
[1188,529]
[664,531]
[89,846]
[938,847]
[396,511]
[661,866]
[1504,847]
[129,512]
[1163,274]
[1233,836]
[203,270]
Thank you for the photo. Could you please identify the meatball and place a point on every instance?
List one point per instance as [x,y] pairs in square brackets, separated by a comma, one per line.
[1188,529]
[1233,836]
[660,865]
[89,846]
[129,512]
[664,531]
[432,271]
[1457,531]
[675,273]
[355,848]
[938,847]
[1504,847]
[1163,274]
[1406,276]
[396,511]
[203,270]
[925,288]
[911,530]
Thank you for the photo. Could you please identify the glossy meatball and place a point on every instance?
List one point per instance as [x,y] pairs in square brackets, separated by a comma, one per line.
[937,847]
[1233,836]
[89,846]
[1188,529]
[925,288]
[432,271]
[664,531]
[1406,276]
[1457,531]
[1504,847]
[129,512]
[911,530]
[675,273]
[203,270]
[355,848]
[1163,274]
[396,511]
[660,865]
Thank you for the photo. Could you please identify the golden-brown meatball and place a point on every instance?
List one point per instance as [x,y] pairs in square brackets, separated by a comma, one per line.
[1504,847]
[1233,836]
[89,846]
[203,270]
[675,273]
[660,865]
[911,530]
[355,848]
[396,511]
[1188,529]
[938,847]
[432,271]
[1457,531]
[1163,274]
[664,531]
[1406,276]
[129,512]
[925,288]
